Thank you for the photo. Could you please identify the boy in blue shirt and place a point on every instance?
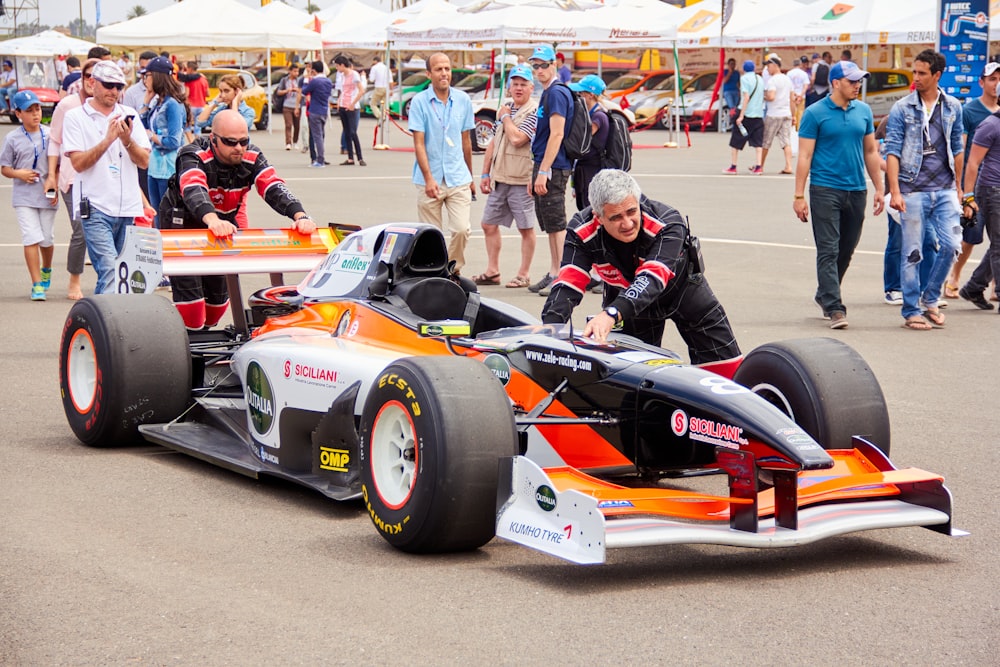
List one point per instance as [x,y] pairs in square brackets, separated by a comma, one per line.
[24,159]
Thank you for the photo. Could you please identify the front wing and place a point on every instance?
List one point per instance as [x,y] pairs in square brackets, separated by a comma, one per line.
[566,513]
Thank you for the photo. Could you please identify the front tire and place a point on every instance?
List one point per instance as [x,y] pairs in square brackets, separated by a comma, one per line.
[123,361]
[433,431]
[824,385]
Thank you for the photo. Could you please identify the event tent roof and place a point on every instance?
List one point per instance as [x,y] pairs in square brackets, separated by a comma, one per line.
[208,25]
[47,43]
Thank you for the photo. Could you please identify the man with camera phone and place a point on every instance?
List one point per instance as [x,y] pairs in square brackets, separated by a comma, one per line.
[107,145]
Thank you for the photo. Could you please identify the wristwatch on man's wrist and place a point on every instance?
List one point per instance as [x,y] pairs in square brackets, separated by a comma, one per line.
[614,313]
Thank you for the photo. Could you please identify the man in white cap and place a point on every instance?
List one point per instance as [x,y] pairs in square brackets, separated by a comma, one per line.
[506,173]
[106,144]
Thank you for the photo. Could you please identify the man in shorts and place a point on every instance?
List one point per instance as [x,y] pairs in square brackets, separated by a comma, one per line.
[778,119]
[507,168]
[749,125]
[552,167]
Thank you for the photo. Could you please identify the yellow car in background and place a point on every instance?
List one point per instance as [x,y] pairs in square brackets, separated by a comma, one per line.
[253,93]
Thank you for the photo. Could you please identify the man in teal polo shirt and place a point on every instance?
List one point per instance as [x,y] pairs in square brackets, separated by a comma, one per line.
[836,146]
[440,119]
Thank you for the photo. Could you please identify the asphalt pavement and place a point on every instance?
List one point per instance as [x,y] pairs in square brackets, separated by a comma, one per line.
[146,556]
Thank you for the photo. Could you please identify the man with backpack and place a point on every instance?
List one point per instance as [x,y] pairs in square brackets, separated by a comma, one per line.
[552,167]
[820,84]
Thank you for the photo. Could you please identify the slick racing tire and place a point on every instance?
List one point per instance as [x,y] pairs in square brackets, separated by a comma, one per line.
[824,385]
[433,431]
[123,361]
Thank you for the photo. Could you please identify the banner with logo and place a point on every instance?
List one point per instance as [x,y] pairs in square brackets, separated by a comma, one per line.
[963,38]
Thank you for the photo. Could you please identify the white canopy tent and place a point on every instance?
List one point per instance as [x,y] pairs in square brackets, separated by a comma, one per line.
[699,24]
[208,25]
[279,12]
[353,24]
[47,43]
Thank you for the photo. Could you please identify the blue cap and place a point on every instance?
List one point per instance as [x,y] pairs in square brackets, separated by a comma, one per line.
[523,71]
[23,99]
[749,66]
[8,63]
[543,52]
[591,83]
[845,69]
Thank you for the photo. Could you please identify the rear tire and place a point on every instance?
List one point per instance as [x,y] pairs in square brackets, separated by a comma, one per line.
[433,431]
[824,385]
[123,361]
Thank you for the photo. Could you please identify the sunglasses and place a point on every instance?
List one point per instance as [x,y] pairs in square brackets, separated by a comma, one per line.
[540,65]
[111,86]
[233,143]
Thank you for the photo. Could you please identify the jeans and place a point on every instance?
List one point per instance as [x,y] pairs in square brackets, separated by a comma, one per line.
[939,210]
[157,188]
[317,135]
[988,199]
[105,236]
[837,216]
[350,119]
[6,94]
[894,241]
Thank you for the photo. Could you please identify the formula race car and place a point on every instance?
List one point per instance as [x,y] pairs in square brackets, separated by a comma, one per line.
[455,417]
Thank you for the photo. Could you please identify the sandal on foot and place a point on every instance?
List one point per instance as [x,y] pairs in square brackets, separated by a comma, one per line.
[487,279]
[935,317]
[916,323]
[519,281]
[950,291]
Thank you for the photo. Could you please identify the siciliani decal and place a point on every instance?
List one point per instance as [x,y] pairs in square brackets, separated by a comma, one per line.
[715,433]
[315,375]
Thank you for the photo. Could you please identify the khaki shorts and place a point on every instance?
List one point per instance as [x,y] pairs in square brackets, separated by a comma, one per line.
[780,128]
[510,203]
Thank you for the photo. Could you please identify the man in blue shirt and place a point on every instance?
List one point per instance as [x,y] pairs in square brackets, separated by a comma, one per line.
[552,168]
[836,146]
[440,119]
[318,89]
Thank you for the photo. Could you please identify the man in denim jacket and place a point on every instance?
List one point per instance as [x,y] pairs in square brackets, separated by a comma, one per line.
[923,156]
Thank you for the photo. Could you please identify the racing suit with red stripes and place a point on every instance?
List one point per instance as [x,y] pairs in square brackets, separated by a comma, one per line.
[202,185]
[648,280]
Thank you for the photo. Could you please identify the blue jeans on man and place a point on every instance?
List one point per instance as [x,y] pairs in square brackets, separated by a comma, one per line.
[939,210]
[989,266]
[105,236]
[837,217]
[893,247]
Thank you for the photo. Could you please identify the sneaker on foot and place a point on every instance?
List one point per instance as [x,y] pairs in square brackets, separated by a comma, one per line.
[975,298]
[46,278]
[894,297]
[541,284]
[756,170]
[288,147]
[838,320]
[730,170]
[37,292]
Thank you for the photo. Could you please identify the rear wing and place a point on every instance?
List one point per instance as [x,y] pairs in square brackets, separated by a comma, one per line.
[149,254]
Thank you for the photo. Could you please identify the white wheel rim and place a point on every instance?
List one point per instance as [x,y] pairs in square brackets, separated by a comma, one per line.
[81,371]
[774,396]
[393,455]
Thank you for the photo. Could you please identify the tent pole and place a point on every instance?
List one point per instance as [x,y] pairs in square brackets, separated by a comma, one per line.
[270,122]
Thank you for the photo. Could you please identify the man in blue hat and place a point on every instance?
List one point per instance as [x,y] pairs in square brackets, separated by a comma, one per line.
[8,84]
[552,167]
[590,87]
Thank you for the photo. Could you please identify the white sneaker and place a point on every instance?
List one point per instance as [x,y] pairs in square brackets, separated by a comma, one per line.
[894,298]
[288,147]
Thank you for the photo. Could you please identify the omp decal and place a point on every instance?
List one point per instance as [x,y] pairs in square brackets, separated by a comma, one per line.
[380,523]
[336,460]
[260,399]
[393,380]
[555,359]
[499,366]
[545,497]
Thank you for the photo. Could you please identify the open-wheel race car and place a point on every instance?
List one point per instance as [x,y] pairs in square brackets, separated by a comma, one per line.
[455,417]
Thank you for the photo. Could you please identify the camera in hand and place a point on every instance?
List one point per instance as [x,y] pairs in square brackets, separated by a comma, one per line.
[968,222]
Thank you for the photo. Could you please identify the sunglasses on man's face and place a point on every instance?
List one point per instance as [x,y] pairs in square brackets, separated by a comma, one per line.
[111,86]
[233,143]
[540,65]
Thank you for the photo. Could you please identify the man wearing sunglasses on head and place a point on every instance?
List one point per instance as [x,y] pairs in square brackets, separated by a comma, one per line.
[106,145]
[214,174]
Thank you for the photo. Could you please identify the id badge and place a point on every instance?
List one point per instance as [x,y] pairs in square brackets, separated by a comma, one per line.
[929,149]
[448,141]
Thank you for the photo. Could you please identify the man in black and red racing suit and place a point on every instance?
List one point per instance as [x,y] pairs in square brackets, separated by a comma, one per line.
[651,269]
[214,174]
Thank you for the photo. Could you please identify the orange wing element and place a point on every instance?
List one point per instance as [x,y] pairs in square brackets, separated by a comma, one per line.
[196,252]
